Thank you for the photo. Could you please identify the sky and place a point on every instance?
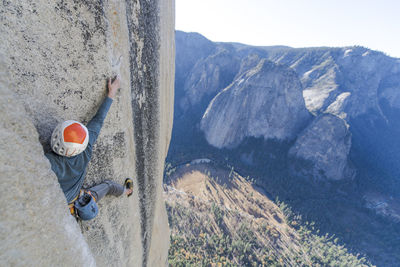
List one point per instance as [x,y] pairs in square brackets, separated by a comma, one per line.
[297,23]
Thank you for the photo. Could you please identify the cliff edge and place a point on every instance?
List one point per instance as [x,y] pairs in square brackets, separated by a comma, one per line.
[55,59]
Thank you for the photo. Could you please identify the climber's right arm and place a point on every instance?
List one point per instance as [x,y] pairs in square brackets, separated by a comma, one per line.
[94,126]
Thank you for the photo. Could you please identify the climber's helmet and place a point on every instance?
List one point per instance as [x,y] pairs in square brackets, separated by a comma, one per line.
[86,206]
[69,138]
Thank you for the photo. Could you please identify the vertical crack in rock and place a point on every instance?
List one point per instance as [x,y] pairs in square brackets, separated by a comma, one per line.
[144,57]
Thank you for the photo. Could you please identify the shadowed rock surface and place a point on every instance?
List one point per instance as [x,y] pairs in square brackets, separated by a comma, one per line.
[321,150]
[58,56]
[208,76]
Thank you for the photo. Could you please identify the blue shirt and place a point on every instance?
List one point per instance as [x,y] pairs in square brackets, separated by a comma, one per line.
[71,171]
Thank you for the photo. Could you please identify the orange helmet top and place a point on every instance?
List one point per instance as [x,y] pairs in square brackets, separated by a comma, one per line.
[69,138]
[74,133]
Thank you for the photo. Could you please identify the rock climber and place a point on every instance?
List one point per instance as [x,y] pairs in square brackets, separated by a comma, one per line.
[72,144]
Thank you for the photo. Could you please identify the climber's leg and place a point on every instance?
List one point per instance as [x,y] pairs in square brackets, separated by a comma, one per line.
[106,188]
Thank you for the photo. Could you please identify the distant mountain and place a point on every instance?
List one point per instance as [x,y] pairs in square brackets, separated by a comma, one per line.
[229,95]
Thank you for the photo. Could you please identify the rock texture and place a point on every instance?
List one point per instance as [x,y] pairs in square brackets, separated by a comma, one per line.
[58,56]
[33,233]
[163,119]
[266,101]
[321,150]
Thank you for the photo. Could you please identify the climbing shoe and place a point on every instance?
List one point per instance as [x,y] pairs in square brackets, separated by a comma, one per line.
[129,185]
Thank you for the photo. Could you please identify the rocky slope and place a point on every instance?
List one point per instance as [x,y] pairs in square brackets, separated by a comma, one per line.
[55,60]
[355,84]
[218,217]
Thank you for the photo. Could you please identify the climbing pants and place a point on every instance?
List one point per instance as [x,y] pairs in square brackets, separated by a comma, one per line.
[106,188]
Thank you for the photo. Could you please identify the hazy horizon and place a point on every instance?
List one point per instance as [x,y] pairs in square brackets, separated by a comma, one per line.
[306,23]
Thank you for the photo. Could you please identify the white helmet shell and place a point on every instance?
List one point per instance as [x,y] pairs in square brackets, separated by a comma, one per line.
[69,138]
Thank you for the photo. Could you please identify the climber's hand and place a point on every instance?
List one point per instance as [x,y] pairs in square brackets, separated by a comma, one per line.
[113,86]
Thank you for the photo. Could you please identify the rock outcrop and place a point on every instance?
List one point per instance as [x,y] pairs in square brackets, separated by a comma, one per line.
[57,57]
[321,150]
[266,101]
[208,77]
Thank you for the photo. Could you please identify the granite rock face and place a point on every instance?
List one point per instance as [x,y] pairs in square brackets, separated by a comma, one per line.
[35,224]
[265,101]
[58,56]
[321,150]
[208,76]
[330,73]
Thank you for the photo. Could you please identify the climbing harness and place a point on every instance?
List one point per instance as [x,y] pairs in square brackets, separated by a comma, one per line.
[71,207]
[79,203]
